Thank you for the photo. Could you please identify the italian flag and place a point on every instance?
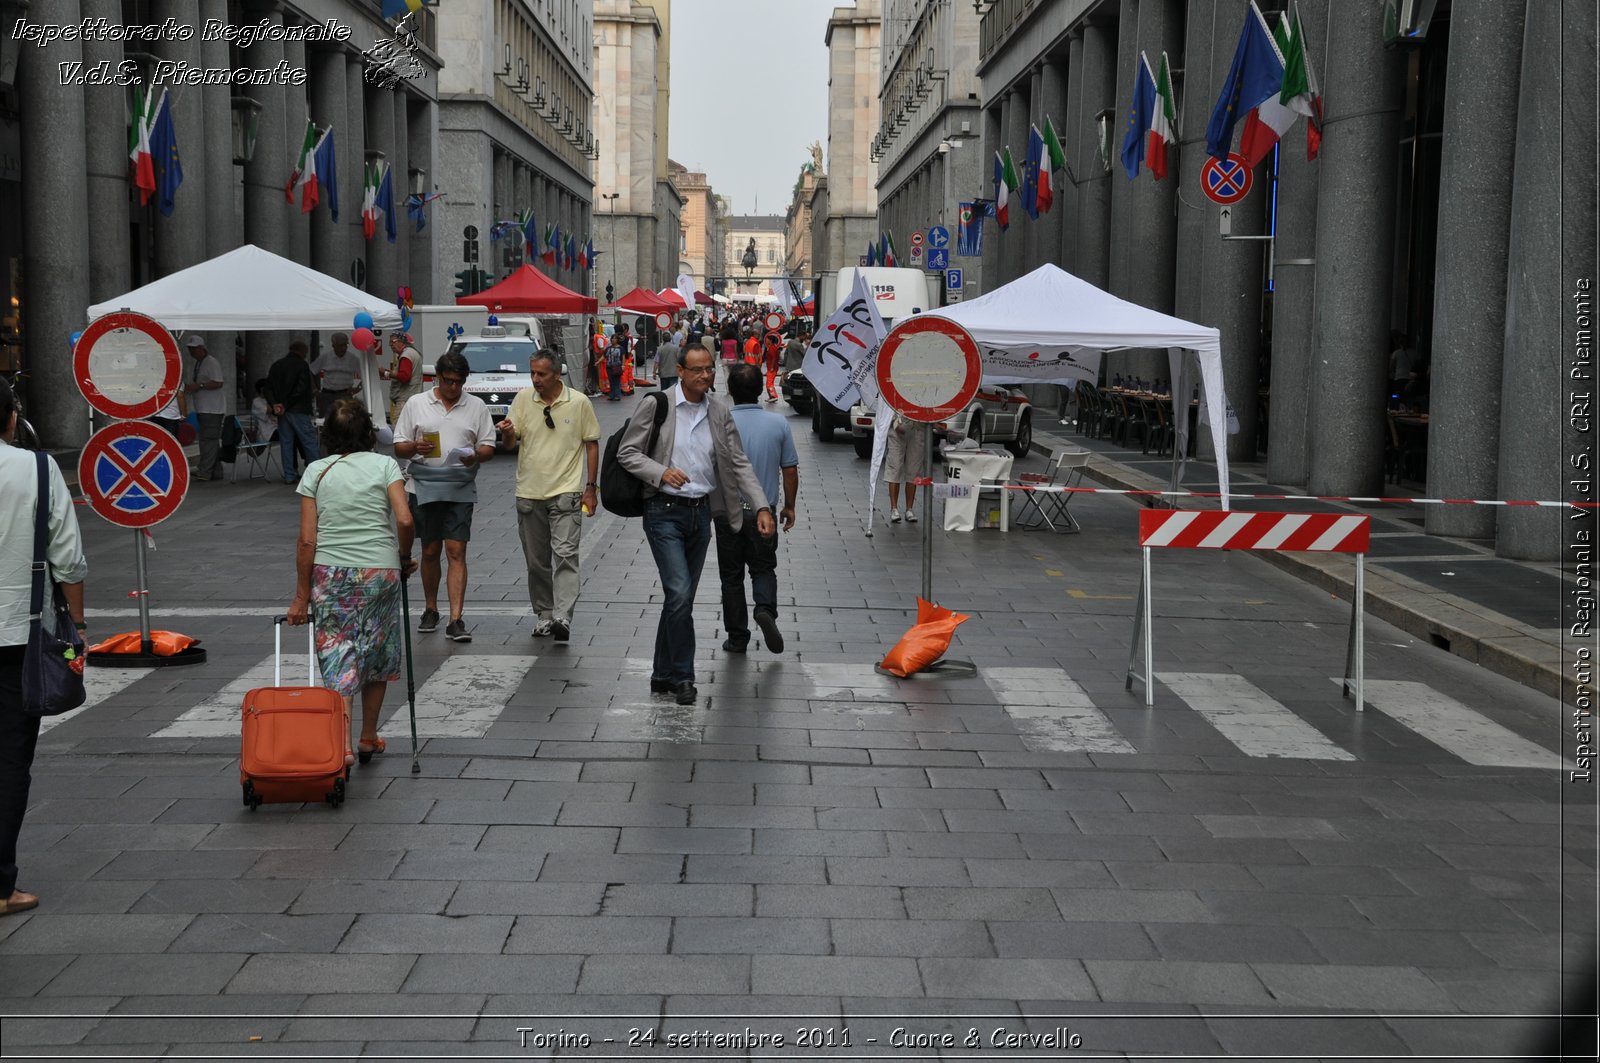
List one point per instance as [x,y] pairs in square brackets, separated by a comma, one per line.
[144,169]
[888,243]
[1300,90]
[298,178]
[1163,124]
[1057,161]
[549,255]
[310,180]
[369,202]
[1273,116]
[1005,183]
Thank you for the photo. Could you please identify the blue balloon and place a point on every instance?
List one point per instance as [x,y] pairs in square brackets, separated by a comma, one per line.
[76,336]
[363,320]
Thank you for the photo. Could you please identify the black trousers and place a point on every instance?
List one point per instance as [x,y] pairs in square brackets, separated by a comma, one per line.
[19,736]
[736,552]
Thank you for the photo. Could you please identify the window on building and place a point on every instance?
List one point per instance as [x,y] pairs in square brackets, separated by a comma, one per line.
[772,255]
[683,241]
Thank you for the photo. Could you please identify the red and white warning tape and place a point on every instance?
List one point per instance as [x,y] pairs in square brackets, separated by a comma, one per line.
[1049,489]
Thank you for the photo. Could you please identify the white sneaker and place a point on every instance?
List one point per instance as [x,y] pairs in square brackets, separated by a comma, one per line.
[543,629]
[911,516]
[894,516]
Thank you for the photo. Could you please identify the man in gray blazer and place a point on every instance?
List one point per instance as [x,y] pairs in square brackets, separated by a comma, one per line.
[698,469]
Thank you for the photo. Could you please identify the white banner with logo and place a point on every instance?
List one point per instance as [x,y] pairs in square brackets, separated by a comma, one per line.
[842,360]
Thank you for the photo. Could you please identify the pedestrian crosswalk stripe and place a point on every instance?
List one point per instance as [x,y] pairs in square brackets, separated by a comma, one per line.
[1256,723]
[1451,725]
[1053,713]
[462,698]
[99,684]
[857,682]
[219,716]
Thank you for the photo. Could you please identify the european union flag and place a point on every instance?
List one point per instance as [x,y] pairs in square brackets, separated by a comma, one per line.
[164,157]
[393,9]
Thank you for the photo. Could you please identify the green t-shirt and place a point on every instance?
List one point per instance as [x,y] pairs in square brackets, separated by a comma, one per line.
[354,526]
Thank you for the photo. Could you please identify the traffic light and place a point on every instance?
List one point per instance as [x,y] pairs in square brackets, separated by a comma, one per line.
[611,293]
[464,281]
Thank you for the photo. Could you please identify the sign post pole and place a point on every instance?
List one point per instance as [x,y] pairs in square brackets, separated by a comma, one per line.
[142,592]
[927,516]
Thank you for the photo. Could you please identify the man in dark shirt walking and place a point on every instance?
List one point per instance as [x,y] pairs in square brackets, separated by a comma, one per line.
[290,384]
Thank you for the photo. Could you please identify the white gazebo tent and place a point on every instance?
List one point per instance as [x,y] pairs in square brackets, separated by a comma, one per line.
[248,290]
[1050,327]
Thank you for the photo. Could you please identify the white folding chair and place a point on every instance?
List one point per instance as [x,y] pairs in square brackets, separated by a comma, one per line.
[1047,503]
[253,449]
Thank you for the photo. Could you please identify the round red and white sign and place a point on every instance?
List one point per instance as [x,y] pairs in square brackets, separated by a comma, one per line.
[127,365]
[916,238]
[1227,180]
[663,320]
[133,473]
[929,368]
[774,321]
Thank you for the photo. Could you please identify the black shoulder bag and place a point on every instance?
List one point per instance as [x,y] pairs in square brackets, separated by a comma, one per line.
[52,667]
[621,492]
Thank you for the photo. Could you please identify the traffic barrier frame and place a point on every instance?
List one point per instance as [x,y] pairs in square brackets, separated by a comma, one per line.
[1223,530]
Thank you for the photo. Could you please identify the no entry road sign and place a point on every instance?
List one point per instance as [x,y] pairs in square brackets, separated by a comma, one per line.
[773,321]
[1226,180]
[133,474]
[928,368]
[127,365]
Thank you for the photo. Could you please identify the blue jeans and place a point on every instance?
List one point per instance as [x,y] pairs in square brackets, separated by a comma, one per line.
[678,536]
[614,378]
[297,428]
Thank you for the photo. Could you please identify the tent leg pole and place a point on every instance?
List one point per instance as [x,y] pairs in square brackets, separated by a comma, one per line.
[142,575]
[1138,635]
[1149,636]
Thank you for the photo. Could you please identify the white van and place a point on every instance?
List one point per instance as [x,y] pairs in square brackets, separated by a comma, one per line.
[431,325]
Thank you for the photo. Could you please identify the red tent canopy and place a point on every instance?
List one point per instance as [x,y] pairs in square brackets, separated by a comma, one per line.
[645,301]
[673,296]
[531,292]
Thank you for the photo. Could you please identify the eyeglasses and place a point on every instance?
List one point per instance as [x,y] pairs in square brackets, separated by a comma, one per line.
[696,369]
[453,381]
[549,422]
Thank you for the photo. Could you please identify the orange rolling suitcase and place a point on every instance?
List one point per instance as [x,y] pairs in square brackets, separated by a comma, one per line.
[296,740]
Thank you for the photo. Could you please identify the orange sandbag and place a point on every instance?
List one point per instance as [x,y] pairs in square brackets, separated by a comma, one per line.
[162,643]
[925,642]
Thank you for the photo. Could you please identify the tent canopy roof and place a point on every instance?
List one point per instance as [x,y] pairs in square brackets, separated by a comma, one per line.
[645,301]
[249,289]
[531,292]
[1052,307]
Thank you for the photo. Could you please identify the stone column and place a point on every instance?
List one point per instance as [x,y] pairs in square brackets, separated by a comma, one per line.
[222,225]
[1552,245]
[420,144]
[180,240]
[1069,126]
[1355,254]
[297,110]
[1293,298]
[106,155]
[1053,231]
[266,216]
[353,158]
[1123,191]
[329,253]
[522,194]
[383,270]
[1014,244]
[1469,314]
[1152,231]
[1094,195]
[55,228]
[1197,232]
[404,226]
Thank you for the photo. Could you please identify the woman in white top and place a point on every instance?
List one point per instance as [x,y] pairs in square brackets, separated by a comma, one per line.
[348,564]
[19,731]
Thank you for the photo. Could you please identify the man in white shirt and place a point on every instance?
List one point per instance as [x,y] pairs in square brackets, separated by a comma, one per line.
[338,374]
[696,470]
[209,405]
[446,435]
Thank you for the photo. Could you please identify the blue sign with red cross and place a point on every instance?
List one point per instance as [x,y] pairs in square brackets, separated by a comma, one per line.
[1226,180]
[134,474]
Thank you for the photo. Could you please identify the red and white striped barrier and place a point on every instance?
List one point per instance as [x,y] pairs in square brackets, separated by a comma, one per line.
[1218,530]
[1211,529]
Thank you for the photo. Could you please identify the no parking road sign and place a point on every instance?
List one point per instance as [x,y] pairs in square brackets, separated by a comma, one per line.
[1226,180]
[134,474]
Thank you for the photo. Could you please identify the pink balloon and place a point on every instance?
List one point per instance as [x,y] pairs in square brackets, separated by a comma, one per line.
[363,339]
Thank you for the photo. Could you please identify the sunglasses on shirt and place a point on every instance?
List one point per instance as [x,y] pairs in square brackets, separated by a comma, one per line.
[549,422]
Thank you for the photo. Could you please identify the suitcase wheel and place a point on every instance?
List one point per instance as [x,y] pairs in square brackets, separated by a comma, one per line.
[336,798]
[252,800]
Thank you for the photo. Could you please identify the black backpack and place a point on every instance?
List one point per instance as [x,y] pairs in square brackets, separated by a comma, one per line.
[621,492]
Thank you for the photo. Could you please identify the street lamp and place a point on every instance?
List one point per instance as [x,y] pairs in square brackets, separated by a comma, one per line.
[611,216]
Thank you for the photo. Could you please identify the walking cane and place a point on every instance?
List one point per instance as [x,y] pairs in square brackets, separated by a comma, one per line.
[411,676]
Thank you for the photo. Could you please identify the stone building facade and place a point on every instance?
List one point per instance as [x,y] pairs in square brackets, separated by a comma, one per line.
[768,233]
[844,203]
[638,212]
[929,123]
[72,231]
[1398,227]
[515,103]
[702,249]
[799,240]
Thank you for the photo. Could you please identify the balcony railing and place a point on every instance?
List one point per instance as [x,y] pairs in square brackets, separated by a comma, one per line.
[1002,17]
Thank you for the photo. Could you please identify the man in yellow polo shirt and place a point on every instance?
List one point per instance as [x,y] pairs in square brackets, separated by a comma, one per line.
[557,469]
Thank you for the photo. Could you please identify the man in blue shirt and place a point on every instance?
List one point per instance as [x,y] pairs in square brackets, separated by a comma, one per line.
[770,446]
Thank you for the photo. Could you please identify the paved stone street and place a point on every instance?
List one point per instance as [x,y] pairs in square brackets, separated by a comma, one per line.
[1250,868]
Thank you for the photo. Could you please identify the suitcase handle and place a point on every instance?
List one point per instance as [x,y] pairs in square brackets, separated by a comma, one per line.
[277,651]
